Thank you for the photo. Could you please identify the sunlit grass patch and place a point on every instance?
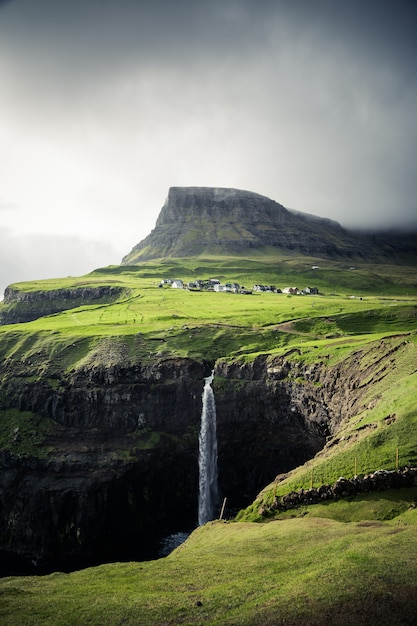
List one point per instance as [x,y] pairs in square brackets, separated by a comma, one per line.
[230,574]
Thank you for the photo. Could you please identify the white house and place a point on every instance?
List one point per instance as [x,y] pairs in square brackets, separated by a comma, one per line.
[232,287]
[177,284]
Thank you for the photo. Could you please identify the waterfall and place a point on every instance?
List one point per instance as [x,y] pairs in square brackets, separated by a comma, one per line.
[207,457]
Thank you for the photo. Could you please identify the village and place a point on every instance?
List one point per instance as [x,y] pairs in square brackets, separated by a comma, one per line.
[213,284]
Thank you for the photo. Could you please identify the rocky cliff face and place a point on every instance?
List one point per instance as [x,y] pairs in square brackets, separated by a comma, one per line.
[195,220]
[116,463]
[24,306]
[278,415]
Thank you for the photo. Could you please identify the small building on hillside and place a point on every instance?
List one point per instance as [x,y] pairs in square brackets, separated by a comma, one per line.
[228,287]
[270,288]
[291,290]
[232,287]
[165,281]
[177,284]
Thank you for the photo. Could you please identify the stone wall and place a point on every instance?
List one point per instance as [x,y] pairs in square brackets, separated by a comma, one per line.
[380,480]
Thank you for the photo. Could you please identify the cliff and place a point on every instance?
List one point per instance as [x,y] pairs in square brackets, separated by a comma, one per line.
[24,306]
[208,220]
[104,458]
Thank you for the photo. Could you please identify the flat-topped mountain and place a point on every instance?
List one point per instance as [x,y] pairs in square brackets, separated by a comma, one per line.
[212,220]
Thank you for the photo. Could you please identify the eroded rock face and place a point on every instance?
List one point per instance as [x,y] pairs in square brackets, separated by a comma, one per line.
[117,399]
[118,464]
[87,507]
[24,306]
[198,219]
[275,415]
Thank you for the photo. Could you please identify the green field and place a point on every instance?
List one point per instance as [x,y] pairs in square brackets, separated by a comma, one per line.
[310,570]
[212,325]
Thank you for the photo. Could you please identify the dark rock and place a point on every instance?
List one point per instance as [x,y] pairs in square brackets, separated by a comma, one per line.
[119,466]
[24,306]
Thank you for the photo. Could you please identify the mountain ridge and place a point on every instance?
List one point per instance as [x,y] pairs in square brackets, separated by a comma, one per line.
[200,220]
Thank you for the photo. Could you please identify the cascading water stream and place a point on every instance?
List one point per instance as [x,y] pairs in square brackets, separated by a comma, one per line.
[207,457]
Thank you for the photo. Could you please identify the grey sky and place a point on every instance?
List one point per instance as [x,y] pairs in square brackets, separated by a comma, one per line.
[105,104]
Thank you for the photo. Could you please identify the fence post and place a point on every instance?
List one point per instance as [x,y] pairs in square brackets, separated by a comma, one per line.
[222,511]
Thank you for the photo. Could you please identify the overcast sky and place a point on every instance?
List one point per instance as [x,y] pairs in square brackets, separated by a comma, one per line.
[105,104]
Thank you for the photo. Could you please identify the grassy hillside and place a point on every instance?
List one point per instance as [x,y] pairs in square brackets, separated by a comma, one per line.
[158,322]
[311,570]
[268,268]
[383,436]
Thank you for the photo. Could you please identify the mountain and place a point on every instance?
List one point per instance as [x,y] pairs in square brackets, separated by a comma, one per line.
[213,220]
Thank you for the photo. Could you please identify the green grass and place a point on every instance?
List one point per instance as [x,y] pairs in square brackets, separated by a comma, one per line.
[152,308]
[97,278]
[213,325]
[384,318]
[299,571]
[273,268]
[201,325]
